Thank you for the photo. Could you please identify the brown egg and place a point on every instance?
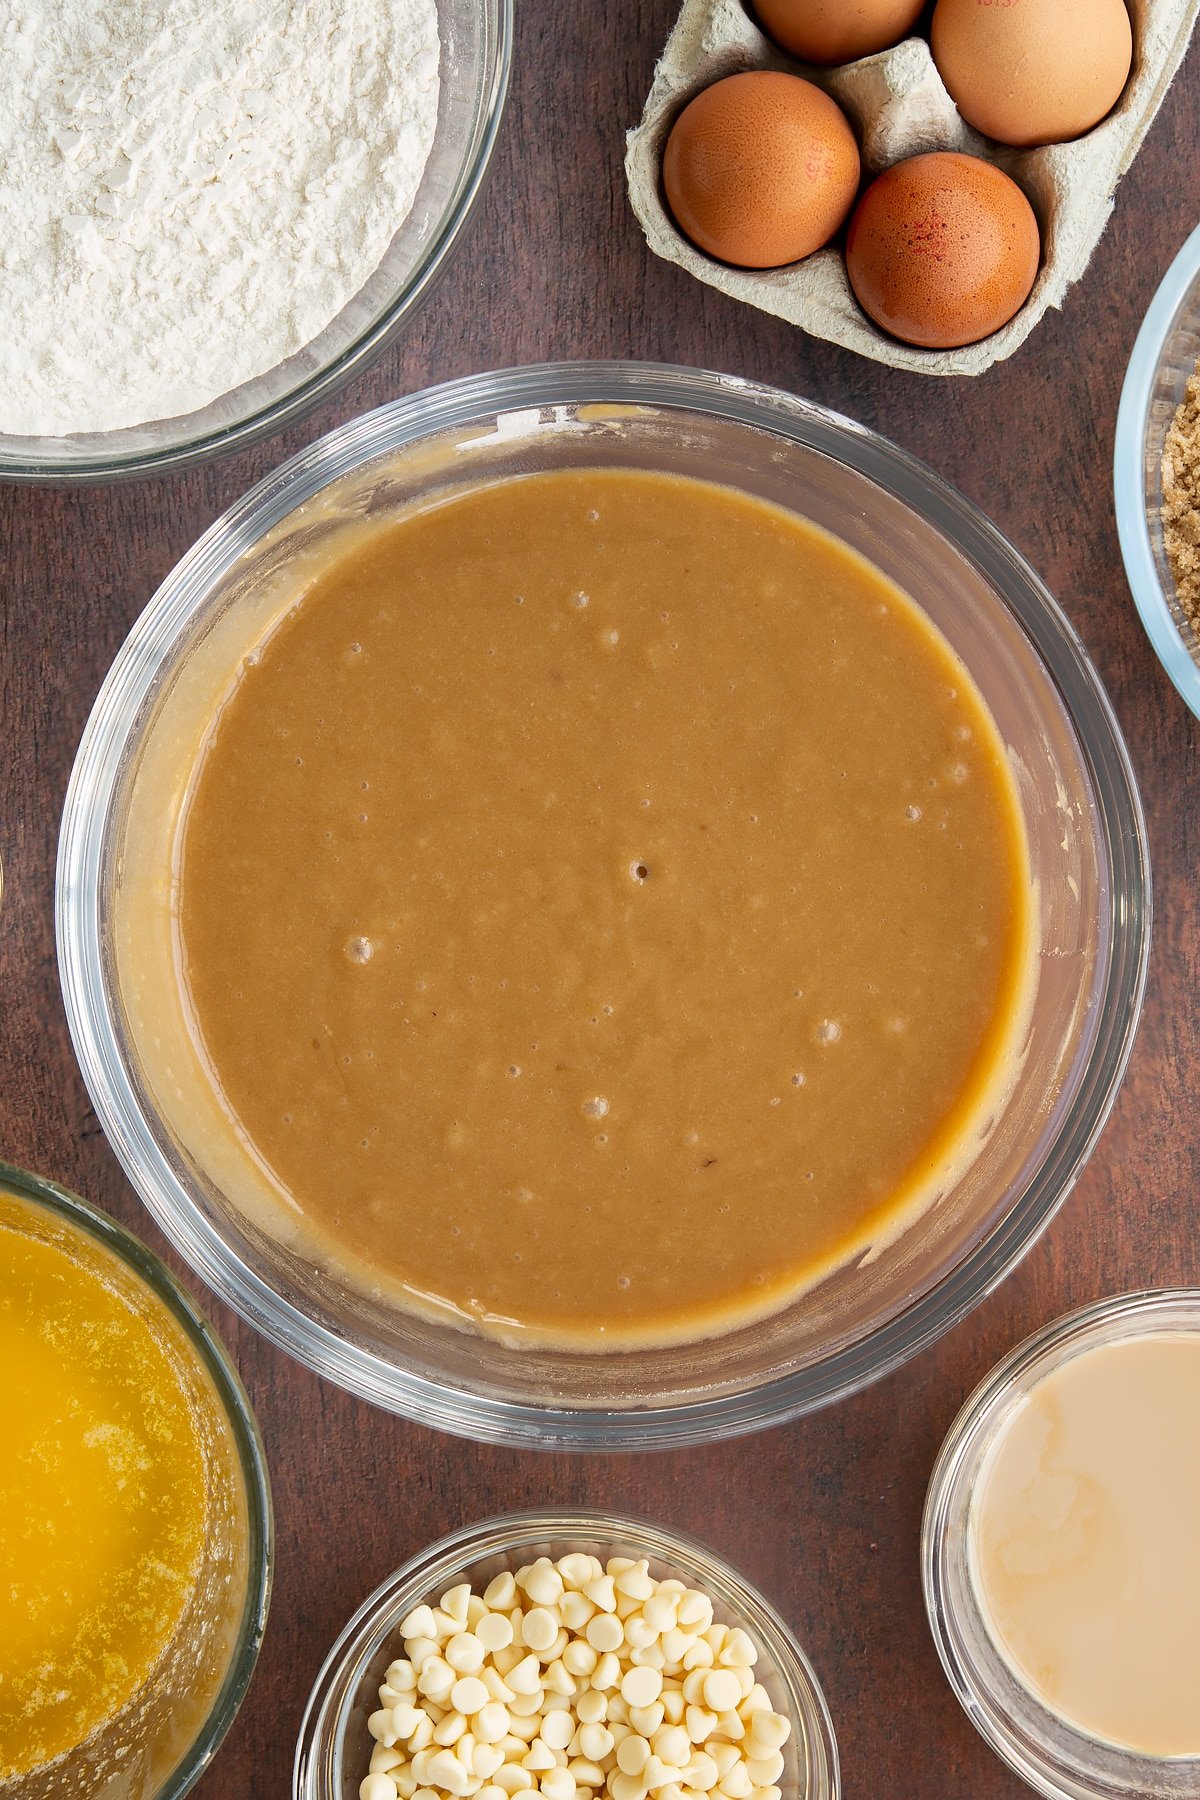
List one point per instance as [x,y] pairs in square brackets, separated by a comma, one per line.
[942,250]
[1033,71]
[837,31]
[761,169]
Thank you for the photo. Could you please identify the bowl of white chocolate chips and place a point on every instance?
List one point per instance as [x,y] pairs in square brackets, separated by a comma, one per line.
[579,1656]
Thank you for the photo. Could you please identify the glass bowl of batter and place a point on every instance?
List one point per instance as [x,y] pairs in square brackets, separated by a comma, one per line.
[613,1224]
[334,1746]
[314,349]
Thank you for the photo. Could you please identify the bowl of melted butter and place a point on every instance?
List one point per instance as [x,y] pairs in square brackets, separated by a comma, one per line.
[135,1513]
[602,905]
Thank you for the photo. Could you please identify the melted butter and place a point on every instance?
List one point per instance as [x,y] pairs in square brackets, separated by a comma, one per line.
[604,908]
[102,1489]
[1085,1543]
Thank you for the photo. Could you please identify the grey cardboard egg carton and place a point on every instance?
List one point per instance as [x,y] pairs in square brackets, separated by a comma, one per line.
[899,107]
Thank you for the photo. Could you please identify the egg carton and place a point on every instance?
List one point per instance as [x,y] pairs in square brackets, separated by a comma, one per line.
[899,107]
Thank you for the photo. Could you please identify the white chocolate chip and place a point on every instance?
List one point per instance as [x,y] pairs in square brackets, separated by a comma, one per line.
[602,1593]
[641,1687]
[491,1722]
[493,1631]
[757,1700]
[607,1673]
[526,1678]
[722,1690]
[765,1770]
[544,1584]
[604,1633]
[436,1679]
[468,1695]
[737,1652]
[595,1741]
[736,1783]
[633,1753]
[377,1787]
[384,1728]
[701,1723]
[575,1609]
[770,1729]
[673,1704]
[539,1628]
[635,1582]
[672,1745]
[446,1771]
[464,1652]
[695,1610]
[513,1779]
[647,1719]
[422,1733]
[500,1594]
[418,1624]
[457,1600]
[661,1611]
[579,1658]
[558,1728]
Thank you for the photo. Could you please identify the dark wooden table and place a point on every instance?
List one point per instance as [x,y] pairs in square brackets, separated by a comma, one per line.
[823,1514]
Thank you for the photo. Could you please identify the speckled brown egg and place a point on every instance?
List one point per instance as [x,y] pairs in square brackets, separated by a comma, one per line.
[837,31]
[942,250]
[760,169]
[1033,71]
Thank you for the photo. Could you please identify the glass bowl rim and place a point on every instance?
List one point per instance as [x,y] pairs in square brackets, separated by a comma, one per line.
[1129,491]
[148,1268]
[306,394]
[456,1550]
[1043,1350]
[455,405]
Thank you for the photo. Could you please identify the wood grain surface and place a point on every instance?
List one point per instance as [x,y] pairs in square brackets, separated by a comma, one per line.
[823,1514]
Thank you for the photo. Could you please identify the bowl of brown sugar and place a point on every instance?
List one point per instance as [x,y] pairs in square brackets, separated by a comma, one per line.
[1156,471]
[602,904]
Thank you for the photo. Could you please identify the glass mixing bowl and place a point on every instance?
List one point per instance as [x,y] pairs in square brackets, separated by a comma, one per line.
[476,39]
[334,1745]
[166,1735]
[1056,1758]
[1083,821]
[1165,354]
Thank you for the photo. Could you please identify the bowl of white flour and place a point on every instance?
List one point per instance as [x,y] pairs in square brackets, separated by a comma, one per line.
[212,216]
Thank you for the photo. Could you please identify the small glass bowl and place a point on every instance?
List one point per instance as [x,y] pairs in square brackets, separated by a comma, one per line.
[1055,1758]
[1164,356]
[334,1747]
[1084,827]
[128,1741]
[476,56]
